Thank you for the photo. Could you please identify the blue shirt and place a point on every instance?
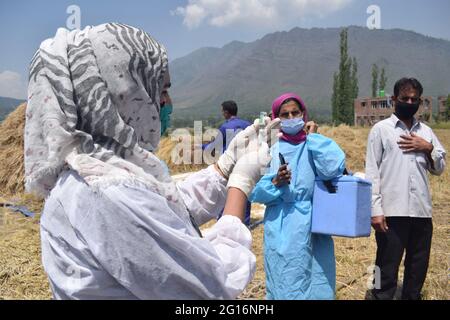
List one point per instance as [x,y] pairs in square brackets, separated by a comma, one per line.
[231,126]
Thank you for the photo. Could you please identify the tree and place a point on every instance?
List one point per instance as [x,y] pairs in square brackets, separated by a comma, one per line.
[354,91]
[355,87]
[383,80]
[334,97]
[345,85]
[344,79]
[374,80]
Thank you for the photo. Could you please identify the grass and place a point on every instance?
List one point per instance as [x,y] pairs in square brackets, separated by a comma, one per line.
[441,125]
[21,272]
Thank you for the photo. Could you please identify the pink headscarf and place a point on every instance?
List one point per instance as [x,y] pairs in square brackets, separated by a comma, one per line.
[276,106]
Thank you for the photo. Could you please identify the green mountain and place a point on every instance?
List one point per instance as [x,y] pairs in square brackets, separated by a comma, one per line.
[303,61]
[7,105]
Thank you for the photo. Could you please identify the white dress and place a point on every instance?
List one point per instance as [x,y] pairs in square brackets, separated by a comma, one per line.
[125,242]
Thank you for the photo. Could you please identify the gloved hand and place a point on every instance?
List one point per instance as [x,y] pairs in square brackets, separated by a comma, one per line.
[247,141]
[249,169]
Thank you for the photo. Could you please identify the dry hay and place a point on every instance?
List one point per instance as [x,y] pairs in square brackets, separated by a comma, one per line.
[352,141]
[21,272]
[256,289]
[12,170]
[166,152]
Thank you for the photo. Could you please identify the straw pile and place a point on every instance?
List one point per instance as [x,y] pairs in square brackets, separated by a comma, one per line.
[22,275]
[352,141]
[21,272]
[166,152]
[11,152]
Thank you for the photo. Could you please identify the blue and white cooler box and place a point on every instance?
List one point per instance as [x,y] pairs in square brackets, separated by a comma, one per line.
[347,212]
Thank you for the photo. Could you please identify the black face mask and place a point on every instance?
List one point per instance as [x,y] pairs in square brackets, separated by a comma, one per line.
[405,111]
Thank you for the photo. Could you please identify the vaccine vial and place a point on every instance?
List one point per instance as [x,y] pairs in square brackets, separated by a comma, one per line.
[262,116]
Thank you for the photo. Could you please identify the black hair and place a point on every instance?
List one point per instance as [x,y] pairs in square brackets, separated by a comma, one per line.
[407,82]
[290,100]
[231,107]
[287,101]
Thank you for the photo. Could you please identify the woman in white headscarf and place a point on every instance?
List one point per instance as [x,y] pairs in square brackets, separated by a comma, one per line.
[115,225]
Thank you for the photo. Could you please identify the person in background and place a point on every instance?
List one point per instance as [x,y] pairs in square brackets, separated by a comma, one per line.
[228,130]
[299,265]
[400,152]
[114,224]
[164,116]
[166,109]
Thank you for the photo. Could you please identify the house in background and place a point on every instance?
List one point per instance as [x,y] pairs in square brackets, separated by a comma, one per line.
[369,111]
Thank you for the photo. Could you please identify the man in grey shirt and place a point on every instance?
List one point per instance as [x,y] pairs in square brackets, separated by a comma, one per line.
[400,152]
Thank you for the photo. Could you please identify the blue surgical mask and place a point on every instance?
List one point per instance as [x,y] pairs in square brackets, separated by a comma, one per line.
[292,126]
[165,117]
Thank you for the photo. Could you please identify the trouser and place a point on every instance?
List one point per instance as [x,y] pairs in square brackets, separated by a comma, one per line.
[412,235]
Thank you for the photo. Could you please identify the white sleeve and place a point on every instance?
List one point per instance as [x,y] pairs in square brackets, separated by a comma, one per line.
[437,156]
[148,248]
[232,241]
[373,161]
[204,194]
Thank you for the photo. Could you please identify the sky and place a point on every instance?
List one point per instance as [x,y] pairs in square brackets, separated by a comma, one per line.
[186,25]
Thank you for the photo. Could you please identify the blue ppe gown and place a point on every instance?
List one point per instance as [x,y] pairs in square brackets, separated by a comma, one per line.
[299,265]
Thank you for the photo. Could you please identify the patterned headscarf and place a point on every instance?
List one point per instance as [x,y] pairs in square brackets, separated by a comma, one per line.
[276,106]
[93,106]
